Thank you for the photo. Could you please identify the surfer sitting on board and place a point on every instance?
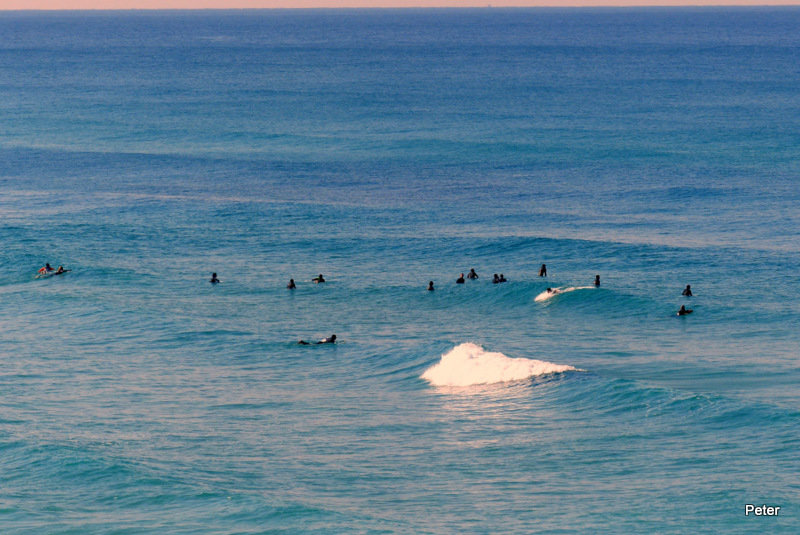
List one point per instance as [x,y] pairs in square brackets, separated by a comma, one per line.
[214,279]
[317,280]
[472,274]
[460,279]
[683,311]
[687,291]
[291,284]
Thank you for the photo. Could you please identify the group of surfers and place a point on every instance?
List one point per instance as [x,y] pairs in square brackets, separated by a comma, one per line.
[473,275]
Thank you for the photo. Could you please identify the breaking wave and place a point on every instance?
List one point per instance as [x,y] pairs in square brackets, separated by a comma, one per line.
[469,364]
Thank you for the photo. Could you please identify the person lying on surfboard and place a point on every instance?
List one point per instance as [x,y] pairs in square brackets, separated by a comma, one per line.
[330,340]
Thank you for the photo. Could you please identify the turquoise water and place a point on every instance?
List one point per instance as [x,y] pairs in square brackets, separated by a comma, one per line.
[385,149]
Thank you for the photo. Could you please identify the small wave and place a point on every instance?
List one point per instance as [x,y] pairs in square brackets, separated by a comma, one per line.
[545,295]
[468,364]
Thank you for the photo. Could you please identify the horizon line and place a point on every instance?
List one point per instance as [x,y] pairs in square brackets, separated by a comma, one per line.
[289,5]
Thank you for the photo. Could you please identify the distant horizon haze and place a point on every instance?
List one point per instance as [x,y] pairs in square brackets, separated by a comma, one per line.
[24,5]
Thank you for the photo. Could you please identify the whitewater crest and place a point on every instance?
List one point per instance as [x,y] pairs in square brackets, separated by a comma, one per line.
[469,364]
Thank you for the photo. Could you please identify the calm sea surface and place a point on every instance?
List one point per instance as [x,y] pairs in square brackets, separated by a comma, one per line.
[385,149]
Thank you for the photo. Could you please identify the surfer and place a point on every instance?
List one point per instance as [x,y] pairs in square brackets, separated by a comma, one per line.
[430,286]
[543,271]
[46,269]
[317,280]
[329,340]
[502,278]
[291,284]
[495,279]
[683,311]
[687,291]
[597,280]
[472,274]
[460,279]
[214,279]
[61,270]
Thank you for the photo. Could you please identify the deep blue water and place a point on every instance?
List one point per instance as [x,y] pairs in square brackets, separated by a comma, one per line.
[384,149]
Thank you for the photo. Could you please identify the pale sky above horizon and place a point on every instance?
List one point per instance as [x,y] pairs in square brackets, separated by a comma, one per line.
[271,4]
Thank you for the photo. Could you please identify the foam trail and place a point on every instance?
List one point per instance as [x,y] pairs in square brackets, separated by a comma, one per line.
[545,295]
[468,364]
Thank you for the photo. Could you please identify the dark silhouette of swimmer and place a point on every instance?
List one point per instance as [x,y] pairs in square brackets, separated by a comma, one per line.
[597,280]
[460,280]
[687,291]
[214,279]
[317,280]
[543,271]
[502,278]
[683,311]
[495,279]
[291,284]
[430,286]
[472,274]
[329,340]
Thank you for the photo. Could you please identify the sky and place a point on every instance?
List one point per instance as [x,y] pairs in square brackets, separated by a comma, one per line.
[232,4]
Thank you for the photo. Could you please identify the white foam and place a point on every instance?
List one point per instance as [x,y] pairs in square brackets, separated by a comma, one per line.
[545,295]
[468,364]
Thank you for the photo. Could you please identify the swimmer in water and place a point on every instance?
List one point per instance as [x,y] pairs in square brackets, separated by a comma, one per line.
[460,279]
[683,311]
[329,340]
[291,284]
[502,278]
[472,274]
[495,279]
[214,279]
[317,280]
[543,271]
[597,280]
[430,286]
[687,291]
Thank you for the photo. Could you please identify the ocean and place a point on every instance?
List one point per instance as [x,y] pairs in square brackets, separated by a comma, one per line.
[385,149]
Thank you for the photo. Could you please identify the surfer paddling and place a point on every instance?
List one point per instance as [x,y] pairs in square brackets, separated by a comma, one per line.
[329,340]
